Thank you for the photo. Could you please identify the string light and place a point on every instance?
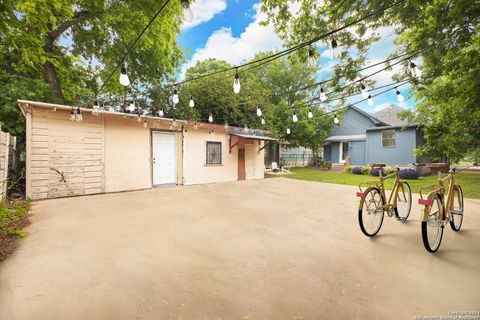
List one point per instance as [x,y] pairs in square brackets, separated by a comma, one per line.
[414,70]
[145,124]
[259,111]
[236,82]
[139,119]
[160,113]
[365,92]
[335,51]
[131,107]
[124,80]
[323,96]
[175,98]
[263,120]
[335,119]
[210,118]
[226,125]
[191,103]
[72,115]
[310,114]
[400,98]
[370,100]
[195,126]
[245,128]
[96,108]
[288,131]
[187,13]
[294,117]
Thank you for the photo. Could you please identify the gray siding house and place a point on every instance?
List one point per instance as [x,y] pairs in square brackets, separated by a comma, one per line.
[364,139]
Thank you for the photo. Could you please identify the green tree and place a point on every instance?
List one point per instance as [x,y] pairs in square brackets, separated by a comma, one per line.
[446,32]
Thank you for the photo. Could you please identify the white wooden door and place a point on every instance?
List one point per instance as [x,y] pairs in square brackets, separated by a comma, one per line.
[164,158]
[249,161]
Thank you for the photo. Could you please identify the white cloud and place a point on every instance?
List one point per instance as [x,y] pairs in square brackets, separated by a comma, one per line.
[223,45]
[204,10]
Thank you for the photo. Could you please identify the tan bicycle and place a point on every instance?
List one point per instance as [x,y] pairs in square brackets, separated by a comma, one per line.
[442,205]
[373,204]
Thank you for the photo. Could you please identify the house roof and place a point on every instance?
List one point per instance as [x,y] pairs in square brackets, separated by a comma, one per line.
[376,121]
[355,137]
[412,125]
[25,104]
[389,115]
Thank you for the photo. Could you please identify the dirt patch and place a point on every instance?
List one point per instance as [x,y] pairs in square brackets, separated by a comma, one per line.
[9,242]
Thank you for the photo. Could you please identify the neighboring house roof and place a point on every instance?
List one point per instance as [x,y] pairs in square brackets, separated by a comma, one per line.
[375,120]
[356,137]
[251,136]
[412,125]
[389,115]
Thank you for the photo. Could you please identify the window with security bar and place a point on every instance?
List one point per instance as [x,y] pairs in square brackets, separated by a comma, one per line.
[214,152]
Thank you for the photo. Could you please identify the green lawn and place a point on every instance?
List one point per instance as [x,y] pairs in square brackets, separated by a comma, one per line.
[470,182]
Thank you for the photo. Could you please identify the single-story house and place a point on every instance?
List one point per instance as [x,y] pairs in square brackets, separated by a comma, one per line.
[364,139]
[115,151]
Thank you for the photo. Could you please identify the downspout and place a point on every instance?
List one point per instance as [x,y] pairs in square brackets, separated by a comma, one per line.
[183,153]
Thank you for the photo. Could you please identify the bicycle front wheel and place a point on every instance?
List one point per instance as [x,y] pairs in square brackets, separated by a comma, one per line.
[456,214]
[432,229]
[404,201]
[370,216]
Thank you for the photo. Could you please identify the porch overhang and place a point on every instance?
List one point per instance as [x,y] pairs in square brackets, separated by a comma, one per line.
[243,136]
[356,137]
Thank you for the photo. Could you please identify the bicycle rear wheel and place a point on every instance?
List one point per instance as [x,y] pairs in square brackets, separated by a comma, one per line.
[370,216]
[456,214]
[432,229]
[404,202]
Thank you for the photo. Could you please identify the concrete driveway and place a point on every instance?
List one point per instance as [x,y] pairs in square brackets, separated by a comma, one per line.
[267,249]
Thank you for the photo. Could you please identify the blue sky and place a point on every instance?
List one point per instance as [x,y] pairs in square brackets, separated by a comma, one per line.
[230,30]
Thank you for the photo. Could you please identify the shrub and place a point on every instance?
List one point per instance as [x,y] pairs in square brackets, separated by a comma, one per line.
[357,170]
[348,169]
[376,172]
[366,170]
[390,170]
[411,174]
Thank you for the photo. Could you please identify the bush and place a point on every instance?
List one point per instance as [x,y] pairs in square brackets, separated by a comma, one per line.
[376,172]
[390,170]
[348,169]
[357,170]
[411,174]
[366,170]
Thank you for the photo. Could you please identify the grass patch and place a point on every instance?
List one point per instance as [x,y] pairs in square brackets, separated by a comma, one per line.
[470,183]
[13,218]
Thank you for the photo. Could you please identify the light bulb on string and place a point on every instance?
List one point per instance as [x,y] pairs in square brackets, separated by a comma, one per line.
[191,103]
[370,100]
[414,70]
[335,119]
[210,118]
[72,115]
[310,114]
[245,128]
[175,98]
[288,131]
[195,126]
[131,107]
[365,92]
[124,80]
[226,125]
[400,98]
[259,111]
[78,115]
[335,54]
[160,113]
[145,124]
[187,13]
[236,82]
[139,119]
[263,120]
[311,60]
[294,117]
[323,96]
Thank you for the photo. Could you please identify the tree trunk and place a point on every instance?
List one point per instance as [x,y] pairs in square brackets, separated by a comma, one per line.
[51,77]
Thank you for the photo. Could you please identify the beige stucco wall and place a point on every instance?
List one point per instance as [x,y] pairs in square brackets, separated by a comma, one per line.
[196,171]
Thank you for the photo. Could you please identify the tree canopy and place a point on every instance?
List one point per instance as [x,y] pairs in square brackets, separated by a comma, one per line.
[445,31]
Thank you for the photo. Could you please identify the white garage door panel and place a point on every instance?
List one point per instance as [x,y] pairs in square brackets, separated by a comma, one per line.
[164,158]
[249,161]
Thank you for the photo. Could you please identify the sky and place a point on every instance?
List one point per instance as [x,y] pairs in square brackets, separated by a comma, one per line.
[230,30]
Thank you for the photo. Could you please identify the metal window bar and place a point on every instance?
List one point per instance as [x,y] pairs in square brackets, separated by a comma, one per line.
[214,153]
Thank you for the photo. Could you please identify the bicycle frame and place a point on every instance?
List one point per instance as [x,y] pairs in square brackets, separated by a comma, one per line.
[392,201]
[447,200]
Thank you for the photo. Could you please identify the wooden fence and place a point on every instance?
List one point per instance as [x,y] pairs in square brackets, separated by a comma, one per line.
[8,159]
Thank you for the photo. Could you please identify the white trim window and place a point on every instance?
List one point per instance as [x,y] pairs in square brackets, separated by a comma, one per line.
[214,152]
[388,138]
